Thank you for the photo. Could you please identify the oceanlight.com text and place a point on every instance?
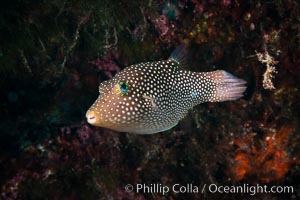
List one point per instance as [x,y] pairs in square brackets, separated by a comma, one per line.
[158,188]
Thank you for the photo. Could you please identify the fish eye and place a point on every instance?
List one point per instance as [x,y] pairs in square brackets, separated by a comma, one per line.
[123,88]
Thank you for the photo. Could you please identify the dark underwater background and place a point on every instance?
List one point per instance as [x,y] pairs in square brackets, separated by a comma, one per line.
[54,54]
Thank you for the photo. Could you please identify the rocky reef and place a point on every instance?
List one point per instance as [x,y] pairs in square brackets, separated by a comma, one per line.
[53,55]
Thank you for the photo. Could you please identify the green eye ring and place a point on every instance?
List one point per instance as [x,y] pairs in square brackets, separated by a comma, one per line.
[124,87]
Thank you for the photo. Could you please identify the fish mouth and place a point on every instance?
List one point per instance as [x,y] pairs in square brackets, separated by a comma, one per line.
[91,118]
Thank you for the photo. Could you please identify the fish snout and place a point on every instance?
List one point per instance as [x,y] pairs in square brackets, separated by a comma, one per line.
[91,117]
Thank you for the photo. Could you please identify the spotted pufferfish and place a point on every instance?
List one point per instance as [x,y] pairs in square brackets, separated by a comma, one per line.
[153,97]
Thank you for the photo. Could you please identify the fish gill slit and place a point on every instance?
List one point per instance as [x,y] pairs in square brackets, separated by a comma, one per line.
[152,101]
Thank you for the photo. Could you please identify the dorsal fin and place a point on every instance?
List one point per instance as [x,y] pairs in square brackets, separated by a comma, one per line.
[180,55]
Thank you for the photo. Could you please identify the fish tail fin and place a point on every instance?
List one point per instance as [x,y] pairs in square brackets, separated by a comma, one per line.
[227,87]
